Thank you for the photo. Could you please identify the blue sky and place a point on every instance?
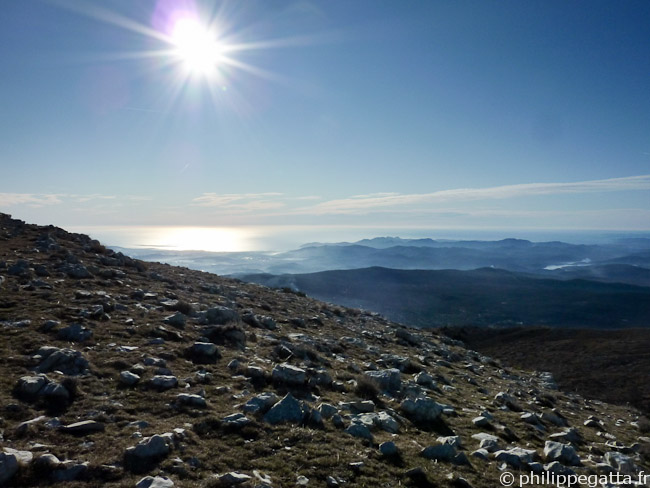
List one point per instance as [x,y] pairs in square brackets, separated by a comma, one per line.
[418,114]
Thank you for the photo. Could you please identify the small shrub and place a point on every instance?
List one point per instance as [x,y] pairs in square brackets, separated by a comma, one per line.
[184,307]
[367,388]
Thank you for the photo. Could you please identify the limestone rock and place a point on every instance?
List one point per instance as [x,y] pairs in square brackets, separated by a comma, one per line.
[359,430]
[148,451]
[176,320]
[389,380]
[289,375]
[221,315]
[191,400]
[620,462]
[68,361]
[564,453]
[164,382]
[128,378]
[236,420]
[261,403]
[203,353]
[83,428]
[286,410]
[515,457]
[421,409]
[155,482]
[388,448]
[46,462]
[69,471]
[440,452]
[327,410]
[232,479]
[75,333]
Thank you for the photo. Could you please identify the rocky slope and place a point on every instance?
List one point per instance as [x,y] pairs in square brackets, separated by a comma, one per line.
[116,372]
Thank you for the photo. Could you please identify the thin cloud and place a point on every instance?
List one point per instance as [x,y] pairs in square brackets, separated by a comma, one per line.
[30,199]
[383,202]
[225,200]
[36,200]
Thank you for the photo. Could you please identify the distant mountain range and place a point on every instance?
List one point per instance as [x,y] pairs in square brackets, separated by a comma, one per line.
[622,261]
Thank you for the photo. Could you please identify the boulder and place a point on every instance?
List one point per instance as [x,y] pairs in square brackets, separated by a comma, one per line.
[571,436]
[481,421]
[421,410]
[564,453]
[267,322]
[620,462]
[556,467]
[148,451]
[481,454]
[364,406]
[236,420]
[508,401]
[30,386]
[128,379]
[68,361]
[232,479]
[554,418]
[490,445]
[531,418]
[389,380]
[46,463]
[55,393]
[203,353]
[19,268]
[286,410]
[320,378]
[388,449]
[254,372]
[155,482]
[24,458]
[289,375]
[359,430]
[516,457]
[380,420]
[261,403]
[176,320]
[424,379]
[76,271]
[191,400]
[75,333]
[164,382]
[69,471]
[440,452]
[259,321]
[221,315]
[454,440]
[327,410]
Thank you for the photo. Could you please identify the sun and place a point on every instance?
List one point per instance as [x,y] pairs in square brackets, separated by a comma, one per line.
[195,46]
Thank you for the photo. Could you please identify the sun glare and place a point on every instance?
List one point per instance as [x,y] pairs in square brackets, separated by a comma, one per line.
[195,46]
[194,51]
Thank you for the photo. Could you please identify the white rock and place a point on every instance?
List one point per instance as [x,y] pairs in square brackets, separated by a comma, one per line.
[129,379]
[155,482]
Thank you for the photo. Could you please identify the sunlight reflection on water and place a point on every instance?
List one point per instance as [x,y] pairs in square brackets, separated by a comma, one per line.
[213,239]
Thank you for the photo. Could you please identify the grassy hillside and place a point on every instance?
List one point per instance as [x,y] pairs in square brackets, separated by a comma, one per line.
[611,365]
